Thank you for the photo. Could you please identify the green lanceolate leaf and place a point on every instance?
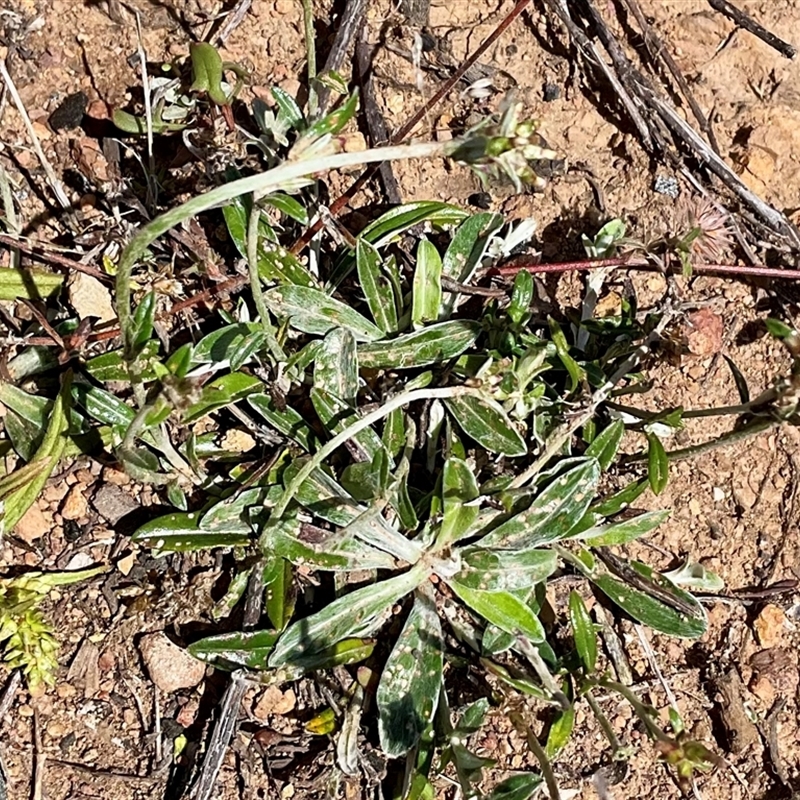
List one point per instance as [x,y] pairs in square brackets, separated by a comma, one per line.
[583,632]
[286,420]
[657,464]
[499,570]
[207,72]
[312,311]
[517,787]
[459,490]
[275,263]
[113,367]
[316,548]
[356,614]
[336,365]
[620,500]
[464,254]
[431,345]
[377,287]
[485,421]
[279,600]
[562,348]
[553,512]
[19,499]
[560,731]
[28,283]
[505,610]
[659,604]
[427,285]
[221,392]
[400,219]
[181,533]
[621,532]
[605,445]
[408,692]
[236,649]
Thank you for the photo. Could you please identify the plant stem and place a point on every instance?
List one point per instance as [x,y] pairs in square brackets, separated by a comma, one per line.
[642,710]
[398,401]
[538,751]
[603,721]
[260,184]
[311,56]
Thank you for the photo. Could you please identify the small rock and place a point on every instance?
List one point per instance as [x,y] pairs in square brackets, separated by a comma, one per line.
[188,714]
[33,525]
[56,493]
[284,6]
[25,710]
[75,505]
[107,661]
[274,701]
[125,564]
[770,626]
[116,476]
[89,297]
[69,113]
[66,690]
[170,667]
[761,686]
[112,503]
[704,332]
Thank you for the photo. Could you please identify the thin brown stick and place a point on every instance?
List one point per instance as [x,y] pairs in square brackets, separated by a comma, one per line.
[749,24]
[40,759]
[376,125]
[658,51]
[40,252]
[232,21]
[341,201]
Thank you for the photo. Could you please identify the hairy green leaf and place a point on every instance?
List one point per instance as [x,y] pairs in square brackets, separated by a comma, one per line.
[377,287]
[236,649]
[583,632]
[408,691]
[459,490]
[486,422]
[427,285]
[431,345]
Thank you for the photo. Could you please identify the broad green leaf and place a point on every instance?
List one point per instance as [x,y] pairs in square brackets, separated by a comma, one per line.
[336,365]
[336,415]
[504,570]
[231,515]
[689,623]
[431,345]
[16,501]
[275,263]
[459,489]
[583,632]
[503,609]
[312,311]
[394,432]
[408,692]
[518,787]
[377,287]
[288,109]
[221,392]
[286,421]
[28,283]
[287,205]
[427,285]
[485,421]
[466,250]
[657,464]
[218,346]
[181,533]
[495,641]
[113,367]
[400,219]
[236,649]
[553,512]
[356,614]
[621,532]
[605,445]
[521,297]
[316,548]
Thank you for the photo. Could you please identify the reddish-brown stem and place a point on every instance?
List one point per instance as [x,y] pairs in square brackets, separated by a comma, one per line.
[518,265]
[341,201]
[39,251]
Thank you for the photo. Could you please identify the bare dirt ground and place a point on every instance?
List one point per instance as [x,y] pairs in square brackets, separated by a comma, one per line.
[736,509]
